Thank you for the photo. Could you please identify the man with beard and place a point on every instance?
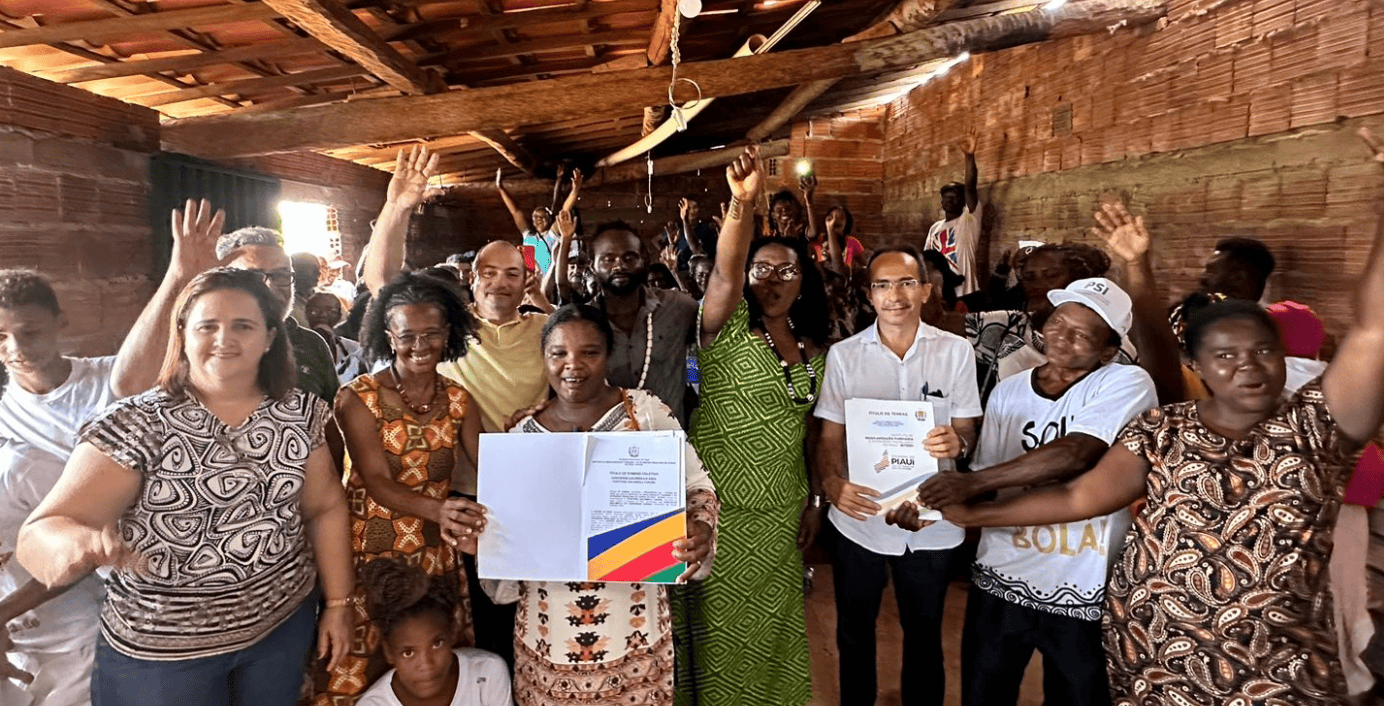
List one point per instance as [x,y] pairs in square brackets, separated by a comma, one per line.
[652,326]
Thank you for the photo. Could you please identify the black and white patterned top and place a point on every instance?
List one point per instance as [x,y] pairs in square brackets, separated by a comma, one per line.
[217,527]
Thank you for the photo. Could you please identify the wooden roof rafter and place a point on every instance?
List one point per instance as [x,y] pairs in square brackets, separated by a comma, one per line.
[611,94]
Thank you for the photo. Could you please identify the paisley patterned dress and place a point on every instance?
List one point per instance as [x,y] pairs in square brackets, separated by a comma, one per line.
[743,639]
[1221,597]
[421,457]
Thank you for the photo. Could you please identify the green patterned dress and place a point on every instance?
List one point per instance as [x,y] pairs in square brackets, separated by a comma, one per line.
[742,637]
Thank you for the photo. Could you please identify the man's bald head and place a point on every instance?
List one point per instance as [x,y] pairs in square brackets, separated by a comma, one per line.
[498,286]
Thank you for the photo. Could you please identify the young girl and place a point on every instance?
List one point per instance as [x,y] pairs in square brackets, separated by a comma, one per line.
[416,616]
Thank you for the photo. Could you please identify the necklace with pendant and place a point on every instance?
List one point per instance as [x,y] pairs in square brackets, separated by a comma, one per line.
[423,408]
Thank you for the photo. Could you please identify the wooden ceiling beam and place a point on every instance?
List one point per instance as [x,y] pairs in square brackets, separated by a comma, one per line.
[98,30]
[540,46]
[623,173]
[337,27]
[186,62]
[568,13]
[616,93]
[249,85]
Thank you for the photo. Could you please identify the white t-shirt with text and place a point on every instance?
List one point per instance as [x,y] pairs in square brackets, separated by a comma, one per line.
[1059,568]
[482,680]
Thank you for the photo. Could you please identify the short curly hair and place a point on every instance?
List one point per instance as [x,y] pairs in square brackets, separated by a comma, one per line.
[1082,260]
[415,288]
[395,592]
[23,287]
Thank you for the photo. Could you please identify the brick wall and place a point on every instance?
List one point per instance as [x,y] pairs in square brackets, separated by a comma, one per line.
[74,200]
[1234,117]
[74,179]
[846,152]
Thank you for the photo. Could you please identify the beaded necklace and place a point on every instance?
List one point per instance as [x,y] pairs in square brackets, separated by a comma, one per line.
[783,364]
[421,408]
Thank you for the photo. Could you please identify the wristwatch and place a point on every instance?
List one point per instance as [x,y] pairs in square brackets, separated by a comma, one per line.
[816,500]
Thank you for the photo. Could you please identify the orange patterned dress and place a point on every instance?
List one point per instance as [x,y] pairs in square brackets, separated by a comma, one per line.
[421,457]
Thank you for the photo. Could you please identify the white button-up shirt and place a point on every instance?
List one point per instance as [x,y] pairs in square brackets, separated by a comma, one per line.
[939,366]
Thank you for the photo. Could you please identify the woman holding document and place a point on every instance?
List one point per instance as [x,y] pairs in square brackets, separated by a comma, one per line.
[602,644]
[764,329]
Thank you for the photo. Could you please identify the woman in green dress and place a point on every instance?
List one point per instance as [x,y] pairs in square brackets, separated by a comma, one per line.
[763,342]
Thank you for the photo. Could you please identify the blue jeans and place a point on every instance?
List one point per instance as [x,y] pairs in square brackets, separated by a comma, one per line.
[267,673]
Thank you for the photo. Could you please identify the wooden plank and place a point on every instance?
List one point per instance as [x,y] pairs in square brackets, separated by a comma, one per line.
[633,171]
[974,11]
[186,62]
[541,46]
[339,28]
[335,73]
[618,93]
[98,30]
[534,18]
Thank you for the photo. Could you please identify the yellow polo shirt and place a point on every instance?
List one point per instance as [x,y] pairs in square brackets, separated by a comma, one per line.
[503,369]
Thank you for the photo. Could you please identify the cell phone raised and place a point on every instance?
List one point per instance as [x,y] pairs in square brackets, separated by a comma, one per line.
[530,257]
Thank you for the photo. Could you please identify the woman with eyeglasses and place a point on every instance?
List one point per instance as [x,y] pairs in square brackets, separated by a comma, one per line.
[215,501]
[763,341]
[408,432]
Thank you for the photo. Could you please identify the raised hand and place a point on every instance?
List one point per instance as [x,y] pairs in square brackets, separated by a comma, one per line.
[834,217]
[1124,234]
[967,145]
[561,171]
[1374,143]
[807,184]
[577,178]
[411,174]
[566,226]
[745,178]
[195,231]
[669,257]
[684,205]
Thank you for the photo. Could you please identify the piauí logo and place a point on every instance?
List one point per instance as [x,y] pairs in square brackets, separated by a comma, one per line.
[883,463]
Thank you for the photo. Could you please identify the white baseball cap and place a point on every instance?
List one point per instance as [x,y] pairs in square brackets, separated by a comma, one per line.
[1101,296]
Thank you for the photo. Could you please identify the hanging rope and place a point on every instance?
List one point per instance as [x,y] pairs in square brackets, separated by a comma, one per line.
[649,194]
[676,56]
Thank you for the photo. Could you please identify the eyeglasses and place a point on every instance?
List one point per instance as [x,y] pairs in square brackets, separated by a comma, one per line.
[276,278]
[409,340]
[786,273]
[907,285]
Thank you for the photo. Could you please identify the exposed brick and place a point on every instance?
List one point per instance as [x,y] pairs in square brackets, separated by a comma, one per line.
[1270,110]
[1252,62]
[1361,92]
[1314,100]
[1293,53]
[1235,24]
[1272,16]
[1343,39]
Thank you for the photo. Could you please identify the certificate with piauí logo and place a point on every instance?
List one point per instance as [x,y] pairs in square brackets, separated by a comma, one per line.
[600,506]
[884,448]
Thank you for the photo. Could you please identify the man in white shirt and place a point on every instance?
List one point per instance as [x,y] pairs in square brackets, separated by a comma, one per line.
[1043,587]
[49,635]
[957,234]
[899,358]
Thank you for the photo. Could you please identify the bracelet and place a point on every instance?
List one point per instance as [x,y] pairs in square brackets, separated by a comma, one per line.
[343,602]
[965,448]
[815,500]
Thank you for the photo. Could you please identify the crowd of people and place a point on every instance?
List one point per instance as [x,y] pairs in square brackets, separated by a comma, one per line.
[269,494]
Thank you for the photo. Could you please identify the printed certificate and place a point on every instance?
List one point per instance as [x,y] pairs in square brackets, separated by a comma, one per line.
[582,507]
[884,448]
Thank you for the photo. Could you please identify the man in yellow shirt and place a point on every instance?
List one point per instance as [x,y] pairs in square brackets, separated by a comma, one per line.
[505,372]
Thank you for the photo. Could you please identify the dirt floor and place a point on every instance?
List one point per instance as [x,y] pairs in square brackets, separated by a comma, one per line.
[821,631]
